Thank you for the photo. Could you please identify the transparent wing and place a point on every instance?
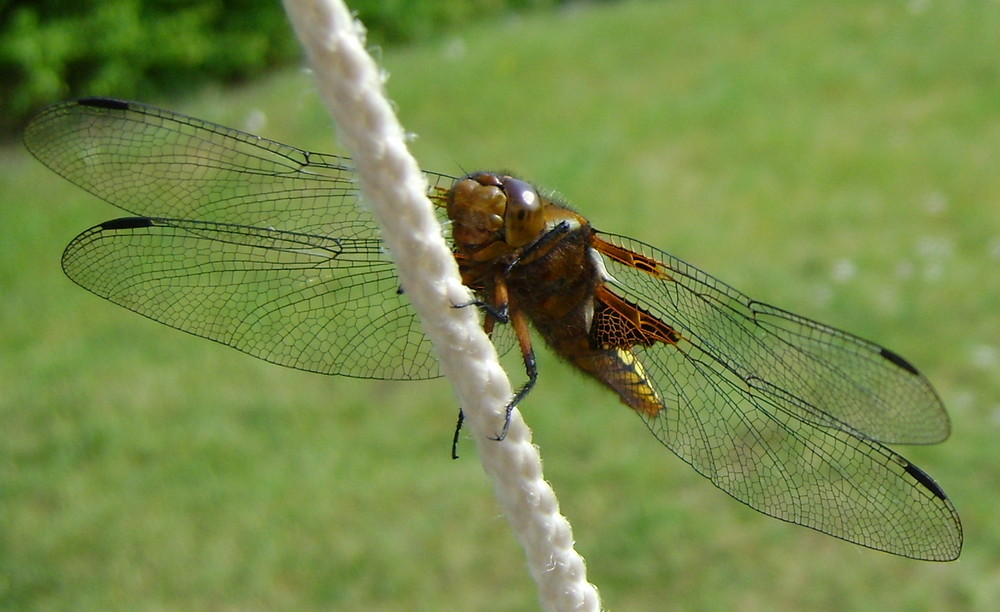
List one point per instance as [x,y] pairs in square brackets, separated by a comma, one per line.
[154,163]
[242,240]
[788,415]
[298,300]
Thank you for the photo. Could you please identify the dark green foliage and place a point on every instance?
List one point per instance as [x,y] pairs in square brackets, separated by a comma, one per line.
[55,49]
[131,48]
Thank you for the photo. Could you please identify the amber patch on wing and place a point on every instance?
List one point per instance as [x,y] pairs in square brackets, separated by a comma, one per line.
[631,258]
[620,324]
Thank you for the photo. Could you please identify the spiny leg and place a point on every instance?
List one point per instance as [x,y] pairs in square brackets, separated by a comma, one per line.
[520,324]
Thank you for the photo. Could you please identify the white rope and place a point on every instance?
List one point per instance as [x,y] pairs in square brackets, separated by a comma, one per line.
[351,86]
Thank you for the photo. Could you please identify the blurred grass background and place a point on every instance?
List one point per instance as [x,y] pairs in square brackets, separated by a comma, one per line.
[156,48]
[837,159]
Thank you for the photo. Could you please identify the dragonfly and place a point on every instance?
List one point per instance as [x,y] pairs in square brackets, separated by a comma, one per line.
[268,249]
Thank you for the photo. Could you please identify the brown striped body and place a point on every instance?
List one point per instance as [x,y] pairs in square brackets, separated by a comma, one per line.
[553,276]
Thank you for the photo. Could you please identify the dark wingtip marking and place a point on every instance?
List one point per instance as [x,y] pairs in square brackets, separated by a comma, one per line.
[898,360]
[925,480]
[127,223]
[104,103]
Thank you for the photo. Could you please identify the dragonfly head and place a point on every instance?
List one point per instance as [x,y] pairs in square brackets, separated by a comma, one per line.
[488,208]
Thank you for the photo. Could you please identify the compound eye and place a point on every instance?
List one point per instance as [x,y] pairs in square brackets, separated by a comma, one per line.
[524,220]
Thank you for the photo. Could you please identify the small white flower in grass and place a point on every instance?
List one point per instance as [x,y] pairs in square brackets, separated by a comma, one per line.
[985,356]
[843,270]
[935,203]
[993,248]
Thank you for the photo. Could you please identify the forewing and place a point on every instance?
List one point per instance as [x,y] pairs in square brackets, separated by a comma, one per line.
[786,414]
[155,163]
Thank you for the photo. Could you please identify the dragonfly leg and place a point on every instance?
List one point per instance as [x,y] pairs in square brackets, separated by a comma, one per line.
[499,313]
[520,324]
[546,242]
[532,370]
[458,429]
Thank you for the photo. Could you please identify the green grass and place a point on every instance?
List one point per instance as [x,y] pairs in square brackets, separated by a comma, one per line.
[838,159]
